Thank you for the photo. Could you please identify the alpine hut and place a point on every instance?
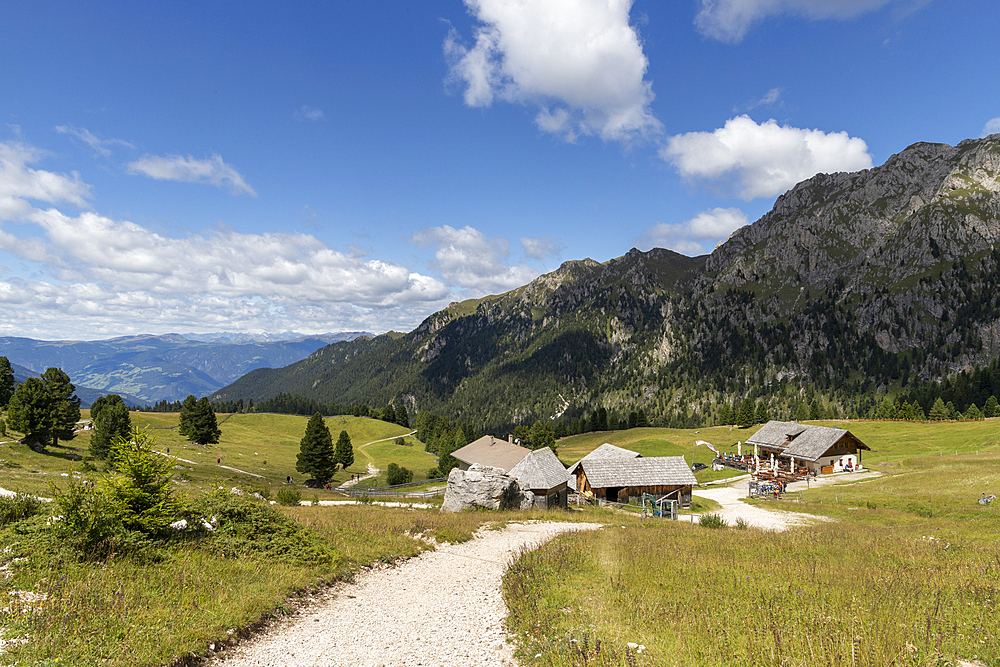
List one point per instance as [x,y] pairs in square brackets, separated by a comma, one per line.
[490,451]
[625,480]
[545,475]
[818,449]
[605,451]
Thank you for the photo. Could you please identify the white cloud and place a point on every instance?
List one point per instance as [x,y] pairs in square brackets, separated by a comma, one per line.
[542,247]
[769,98]
[763,160]
[87,275]
[687,237]
[306,112]
[20,184]
[579,62]
[100,146]
[992,127]
[189,170]
[469,259]
[729,20]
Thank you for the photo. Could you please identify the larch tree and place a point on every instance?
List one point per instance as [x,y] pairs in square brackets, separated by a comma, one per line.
[111,419]
[316,456]
[344,453]
[7,382]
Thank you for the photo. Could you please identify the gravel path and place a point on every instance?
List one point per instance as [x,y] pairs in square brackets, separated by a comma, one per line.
[441,608]
[734,508]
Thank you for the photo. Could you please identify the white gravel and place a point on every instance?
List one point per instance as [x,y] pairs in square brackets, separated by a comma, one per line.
[441,608]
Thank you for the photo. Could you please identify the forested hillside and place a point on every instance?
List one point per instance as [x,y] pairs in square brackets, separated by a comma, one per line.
[852,287]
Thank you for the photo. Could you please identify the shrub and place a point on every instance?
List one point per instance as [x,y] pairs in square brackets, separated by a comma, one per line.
[289,495]
[711,520]
[394,475]
[400,440]
[18,507]
[433,473]
[740,523]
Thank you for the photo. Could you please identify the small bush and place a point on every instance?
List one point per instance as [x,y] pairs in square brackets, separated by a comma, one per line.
[711,520]
[394,475]
[433,473]
[400,440]
[19,507]
[740,523]
[289,495]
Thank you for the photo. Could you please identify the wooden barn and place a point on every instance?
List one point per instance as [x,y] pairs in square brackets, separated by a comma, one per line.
[490,451]
[624,480]
[605,451]
[546,476]
[818,449]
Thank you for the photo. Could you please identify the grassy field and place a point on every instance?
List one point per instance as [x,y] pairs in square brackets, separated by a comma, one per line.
[257,450]
[907,573]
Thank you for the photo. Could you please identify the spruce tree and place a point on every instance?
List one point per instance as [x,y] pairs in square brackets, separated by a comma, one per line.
[111,419]
[65,404]
[744,418]
[7,382]
[202,426]
[187,413]
[344,453]
[316,455]
[761,416]
[992,408]
[938,411]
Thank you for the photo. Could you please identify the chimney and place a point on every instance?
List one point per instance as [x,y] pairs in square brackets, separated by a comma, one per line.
[510,438]
[492,439]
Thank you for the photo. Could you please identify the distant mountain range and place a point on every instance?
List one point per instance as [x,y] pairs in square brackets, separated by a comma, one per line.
[147,369]
[852,285]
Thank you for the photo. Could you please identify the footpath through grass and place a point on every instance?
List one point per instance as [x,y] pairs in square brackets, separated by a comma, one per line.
[188,594]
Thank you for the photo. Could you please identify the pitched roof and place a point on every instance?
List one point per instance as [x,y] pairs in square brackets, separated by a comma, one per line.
[803,441]
[605,451]
[650,471]
[540,469]
[490,451]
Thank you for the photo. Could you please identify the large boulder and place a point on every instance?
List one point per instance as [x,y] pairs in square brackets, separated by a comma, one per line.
[484,487]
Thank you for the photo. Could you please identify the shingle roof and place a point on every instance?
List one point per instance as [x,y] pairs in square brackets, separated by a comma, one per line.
[802,441]
[540,469]
[650,471]
[490,451]
[605,451]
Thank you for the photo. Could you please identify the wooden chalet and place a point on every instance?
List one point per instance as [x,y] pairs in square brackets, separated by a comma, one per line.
[605,451]
[624,480]
[816,449]
[490,451]
[546,476]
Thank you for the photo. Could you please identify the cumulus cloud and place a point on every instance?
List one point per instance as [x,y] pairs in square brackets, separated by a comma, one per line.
[86,275]
[579,62]
[20,184]
[100,146]
[308,113]
[992,127]
[212,171]
[469,259]
[763,160]
[688,237]
[729,20]
[542,247]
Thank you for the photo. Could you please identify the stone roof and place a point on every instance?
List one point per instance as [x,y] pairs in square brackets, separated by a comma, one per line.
[802,441]
[649,471]
[605,451]
[540,469]
[490,451]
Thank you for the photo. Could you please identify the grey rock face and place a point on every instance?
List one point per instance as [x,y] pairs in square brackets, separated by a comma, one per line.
[484,487]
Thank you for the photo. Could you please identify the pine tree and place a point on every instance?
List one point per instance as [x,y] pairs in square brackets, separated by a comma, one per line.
[65,404]
[744,419]
[541,435]
[938,411]
[802,412]
[316,456]
[30,413]
[344,454]
[202,426]
[389,414]
[992,408]
[111,419]
[7,382]
[761,416]
[187,413]
[973,413]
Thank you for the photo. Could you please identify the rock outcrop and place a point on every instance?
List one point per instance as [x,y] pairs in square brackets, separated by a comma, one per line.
[484,487]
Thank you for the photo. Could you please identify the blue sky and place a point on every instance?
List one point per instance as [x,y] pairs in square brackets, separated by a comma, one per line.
[357,165]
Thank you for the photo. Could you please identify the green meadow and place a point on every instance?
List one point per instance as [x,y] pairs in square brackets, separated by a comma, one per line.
[904,570]
[254,451]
